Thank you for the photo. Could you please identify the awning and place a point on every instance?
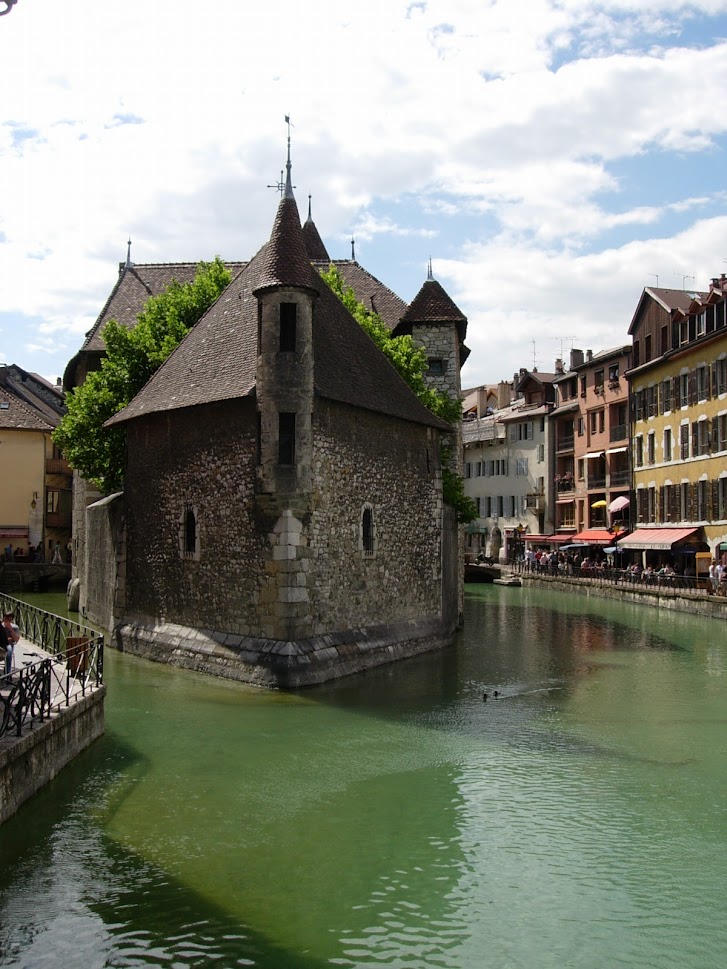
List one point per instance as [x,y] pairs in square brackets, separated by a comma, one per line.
[616,450]
[594,536]
[13,531]
[544,539]
[595,454]
[474,529]
[661,539]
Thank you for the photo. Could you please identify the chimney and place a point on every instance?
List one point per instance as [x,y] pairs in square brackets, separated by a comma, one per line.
[504,394]
[589,356]
[559,366]
[576,358]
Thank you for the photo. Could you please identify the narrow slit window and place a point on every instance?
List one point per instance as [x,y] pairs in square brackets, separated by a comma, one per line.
[190,532]
[367,531]
[288,326]
[286,439]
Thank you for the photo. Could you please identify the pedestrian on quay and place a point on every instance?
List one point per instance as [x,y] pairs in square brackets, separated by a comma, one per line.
[12,634]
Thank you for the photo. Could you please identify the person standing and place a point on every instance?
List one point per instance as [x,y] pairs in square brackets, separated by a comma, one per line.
[12,635]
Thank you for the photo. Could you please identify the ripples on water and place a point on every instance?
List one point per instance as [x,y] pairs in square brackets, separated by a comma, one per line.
[395,819]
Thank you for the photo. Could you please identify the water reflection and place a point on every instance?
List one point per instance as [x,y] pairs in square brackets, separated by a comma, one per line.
[394,818]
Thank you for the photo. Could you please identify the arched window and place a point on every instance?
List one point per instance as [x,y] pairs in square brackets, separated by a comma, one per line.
[189,533]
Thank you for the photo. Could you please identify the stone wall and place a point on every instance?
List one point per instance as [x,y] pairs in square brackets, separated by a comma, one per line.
[103,576]
[440,341]
[364,459]
[203,460]
[27,763]
[276,575]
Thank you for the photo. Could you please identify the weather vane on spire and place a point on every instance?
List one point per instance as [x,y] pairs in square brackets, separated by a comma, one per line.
[284,186]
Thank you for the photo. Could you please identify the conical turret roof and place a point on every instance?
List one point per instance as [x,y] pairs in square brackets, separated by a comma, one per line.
[285,260]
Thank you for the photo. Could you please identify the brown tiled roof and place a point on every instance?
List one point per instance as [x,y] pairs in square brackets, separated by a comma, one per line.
[433,305]
[18,415]
[217,360]
[368,290]
[285,260]
[128,297]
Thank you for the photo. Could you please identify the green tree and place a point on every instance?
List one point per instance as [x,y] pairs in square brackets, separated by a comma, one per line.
[411,363]
[132,356]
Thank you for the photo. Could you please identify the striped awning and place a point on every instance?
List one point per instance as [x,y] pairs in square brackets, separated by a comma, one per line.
[13,531]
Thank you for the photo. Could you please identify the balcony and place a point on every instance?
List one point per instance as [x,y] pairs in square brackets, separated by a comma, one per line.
[565,442]
[564,483]
[58,519]
[57,466]
[618,479]
[618,432]
[535,502]
[596,481]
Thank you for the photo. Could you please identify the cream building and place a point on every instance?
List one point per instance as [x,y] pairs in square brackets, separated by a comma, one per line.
[678,389]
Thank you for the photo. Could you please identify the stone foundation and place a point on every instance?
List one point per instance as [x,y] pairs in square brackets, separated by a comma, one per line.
[27,763]
[275,663]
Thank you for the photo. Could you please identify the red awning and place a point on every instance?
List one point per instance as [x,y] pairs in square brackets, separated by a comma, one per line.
[661,539]
[543,539]
[12,531]
[594,536]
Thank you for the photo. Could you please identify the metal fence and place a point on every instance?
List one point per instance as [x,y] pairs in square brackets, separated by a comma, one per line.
[665,583]
[45,684]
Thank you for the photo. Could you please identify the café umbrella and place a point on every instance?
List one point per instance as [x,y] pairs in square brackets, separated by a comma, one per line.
[618,504]
[599,504]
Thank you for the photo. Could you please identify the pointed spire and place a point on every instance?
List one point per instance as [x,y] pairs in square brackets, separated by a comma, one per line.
[430,274]
[129,263]
[288,166]
[314,244]
[353,249]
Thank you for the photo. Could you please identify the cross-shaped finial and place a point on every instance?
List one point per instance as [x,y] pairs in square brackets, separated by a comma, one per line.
[280,186]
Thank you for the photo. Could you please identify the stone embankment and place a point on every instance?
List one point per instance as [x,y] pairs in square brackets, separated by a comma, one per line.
[666,598]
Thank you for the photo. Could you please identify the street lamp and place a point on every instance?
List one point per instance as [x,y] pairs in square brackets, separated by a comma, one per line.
[9,4]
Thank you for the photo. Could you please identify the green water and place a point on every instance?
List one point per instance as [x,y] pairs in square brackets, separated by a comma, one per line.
[394,818]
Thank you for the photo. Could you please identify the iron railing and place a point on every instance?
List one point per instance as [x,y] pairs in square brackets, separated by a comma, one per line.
[73,668]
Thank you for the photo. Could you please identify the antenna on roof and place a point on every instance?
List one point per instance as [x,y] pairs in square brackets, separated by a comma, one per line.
[429,269]
[685,277]
[535,361]
[353,249]
[656,277]
[129,263]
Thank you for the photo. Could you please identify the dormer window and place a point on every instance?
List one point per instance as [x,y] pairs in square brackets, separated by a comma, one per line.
[288,326]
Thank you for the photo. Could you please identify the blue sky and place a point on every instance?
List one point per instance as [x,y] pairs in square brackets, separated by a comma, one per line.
[553,158]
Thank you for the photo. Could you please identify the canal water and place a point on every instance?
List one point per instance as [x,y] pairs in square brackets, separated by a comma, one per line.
[395,818]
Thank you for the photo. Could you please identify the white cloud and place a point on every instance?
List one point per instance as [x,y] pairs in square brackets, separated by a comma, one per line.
[507,126]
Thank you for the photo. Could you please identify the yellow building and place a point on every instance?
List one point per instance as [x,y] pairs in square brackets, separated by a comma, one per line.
[678,387]
[35,487]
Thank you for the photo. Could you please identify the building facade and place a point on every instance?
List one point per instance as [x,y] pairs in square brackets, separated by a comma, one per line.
[679,418]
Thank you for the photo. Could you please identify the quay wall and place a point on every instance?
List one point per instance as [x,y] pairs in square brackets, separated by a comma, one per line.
[668,600]
[29,762]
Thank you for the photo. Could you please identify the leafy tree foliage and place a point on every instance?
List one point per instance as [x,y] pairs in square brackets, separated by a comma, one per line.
[132,356]
[411,363]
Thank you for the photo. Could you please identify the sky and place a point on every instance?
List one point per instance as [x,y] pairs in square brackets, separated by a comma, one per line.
[552,157]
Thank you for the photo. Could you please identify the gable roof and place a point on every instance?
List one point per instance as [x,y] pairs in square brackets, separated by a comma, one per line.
[217,359]
[134,286]
[16,415]
[668,299]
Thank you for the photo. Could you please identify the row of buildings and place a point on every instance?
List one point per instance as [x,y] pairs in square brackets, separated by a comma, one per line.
[623,448]
[36,484]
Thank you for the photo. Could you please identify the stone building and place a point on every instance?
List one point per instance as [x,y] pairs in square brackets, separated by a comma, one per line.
[282,520]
